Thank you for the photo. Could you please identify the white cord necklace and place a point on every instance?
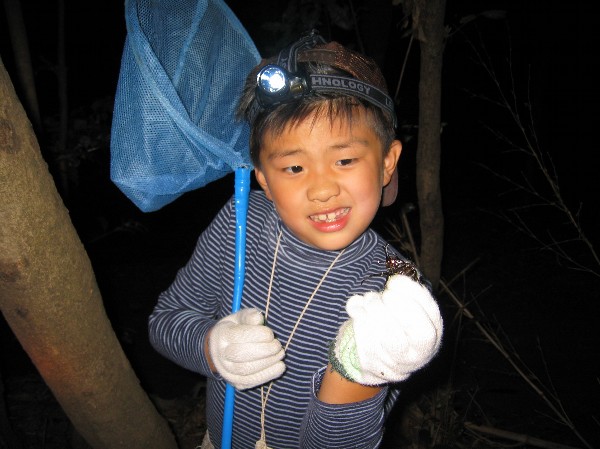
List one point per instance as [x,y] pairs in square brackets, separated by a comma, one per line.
[262,443]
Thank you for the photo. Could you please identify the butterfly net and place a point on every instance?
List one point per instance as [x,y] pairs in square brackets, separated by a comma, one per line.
[182,72]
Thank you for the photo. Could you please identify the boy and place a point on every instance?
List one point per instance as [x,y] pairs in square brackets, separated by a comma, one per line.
[316,351]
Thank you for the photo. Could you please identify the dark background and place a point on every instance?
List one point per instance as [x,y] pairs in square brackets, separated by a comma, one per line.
[518,287]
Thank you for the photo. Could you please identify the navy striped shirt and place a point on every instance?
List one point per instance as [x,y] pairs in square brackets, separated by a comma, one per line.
[201,295]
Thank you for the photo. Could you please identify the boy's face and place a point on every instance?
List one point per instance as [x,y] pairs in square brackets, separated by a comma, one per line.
[326,178]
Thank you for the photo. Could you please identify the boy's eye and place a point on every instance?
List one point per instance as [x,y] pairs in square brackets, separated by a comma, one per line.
[344,162]
[294,169]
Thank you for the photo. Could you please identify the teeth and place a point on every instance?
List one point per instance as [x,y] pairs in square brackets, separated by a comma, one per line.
[332,216]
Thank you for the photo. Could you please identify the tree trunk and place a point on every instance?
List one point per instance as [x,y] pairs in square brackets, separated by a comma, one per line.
[428,16]
[50,299]
[63,104]
[20,45]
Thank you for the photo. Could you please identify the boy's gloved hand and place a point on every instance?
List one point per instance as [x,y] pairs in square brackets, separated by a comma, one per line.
[245,351]
[389,334]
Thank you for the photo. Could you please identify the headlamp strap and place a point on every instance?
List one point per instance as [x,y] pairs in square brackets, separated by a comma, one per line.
[288,56]
[354,87]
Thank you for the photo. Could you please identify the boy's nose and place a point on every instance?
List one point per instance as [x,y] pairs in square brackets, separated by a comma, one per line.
[322,189]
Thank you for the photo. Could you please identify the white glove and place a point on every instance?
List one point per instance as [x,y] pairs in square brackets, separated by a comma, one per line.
[245,351]
[389,334]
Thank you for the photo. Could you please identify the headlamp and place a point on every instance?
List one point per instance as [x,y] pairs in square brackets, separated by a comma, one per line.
[275,85]
[284,82]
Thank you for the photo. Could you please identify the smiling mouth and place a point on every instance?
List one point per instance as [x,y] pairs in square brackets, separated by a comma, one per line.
[330,217]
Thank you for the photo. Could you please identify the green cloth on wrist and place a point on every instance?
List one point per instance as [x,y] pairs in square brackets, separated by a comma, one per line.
[343,355]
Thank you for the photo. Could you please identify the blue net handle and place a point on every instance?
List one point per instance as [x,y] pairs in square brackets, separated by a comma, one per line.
[242,193]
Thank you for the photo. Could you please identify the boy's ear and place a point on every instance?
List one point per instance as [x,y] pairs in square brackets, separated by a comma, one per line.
[391,160]
[390,174]
[262,181]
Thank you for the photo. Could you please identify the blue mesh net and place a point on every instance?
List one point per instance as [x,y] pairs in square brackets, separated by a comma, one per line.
[182,72]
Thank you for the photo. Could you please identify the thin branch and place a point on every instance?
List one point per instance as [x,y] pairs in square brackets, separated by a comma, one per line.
[517,437]
[524,372]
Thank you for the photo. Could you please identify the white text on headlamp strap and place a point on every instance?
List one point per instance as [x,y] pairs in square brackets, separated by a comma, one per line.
[326,81]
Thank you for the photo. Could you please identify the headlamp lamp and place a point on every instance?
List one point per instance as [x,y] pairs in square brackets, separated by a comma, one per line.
[275,85]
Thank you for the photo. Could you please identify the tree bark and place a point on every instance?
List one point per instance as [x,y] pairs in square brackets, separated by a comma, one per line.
[428,16]
[50,299]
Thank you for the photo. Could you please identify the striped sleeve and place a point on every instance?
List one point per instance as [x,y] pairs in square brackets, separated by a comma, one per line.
[358,425]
